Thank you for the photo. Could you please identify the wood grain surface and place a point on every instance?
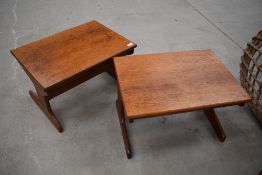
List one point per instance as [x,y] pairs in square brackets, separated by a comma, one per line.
[65,54]
[167,83]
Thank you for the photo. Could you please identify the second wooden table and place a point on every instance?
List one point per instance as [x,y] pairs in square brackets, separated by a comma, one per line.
[168,83]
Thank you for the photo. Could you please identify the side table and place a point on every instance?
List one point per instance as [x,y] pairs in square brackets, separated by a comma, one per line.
[62,61]
[168,83]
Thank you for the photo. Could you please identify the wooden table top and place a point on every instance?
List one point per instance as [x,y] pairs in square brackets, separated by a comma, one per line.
[167,83]
[65,54]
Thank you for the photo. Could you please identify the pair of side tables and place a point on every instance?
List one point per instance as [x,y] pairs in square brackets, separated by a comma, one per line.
[149,85]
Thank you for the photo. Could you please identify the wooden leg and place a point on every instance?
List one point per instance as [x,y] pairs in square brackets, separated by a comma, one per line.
[212,118]
[122,122]
[44,105]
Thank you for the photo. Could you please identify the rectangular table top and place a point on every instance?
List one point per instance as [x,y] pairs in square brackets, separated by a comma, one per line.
[58,57]
[167,83]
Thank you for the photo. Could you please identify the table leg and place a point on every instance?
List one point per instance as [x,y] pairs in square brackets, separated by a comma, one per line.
[213,120]
[122,122]
[43,103]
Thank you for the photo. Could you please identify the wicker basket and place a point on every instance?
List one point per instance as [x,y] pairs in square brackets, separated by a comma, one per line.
[251,73]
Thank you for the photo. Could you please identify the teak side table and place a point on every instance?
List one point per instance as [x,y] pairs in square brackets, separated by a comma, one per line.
[62,61]
[168,83]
